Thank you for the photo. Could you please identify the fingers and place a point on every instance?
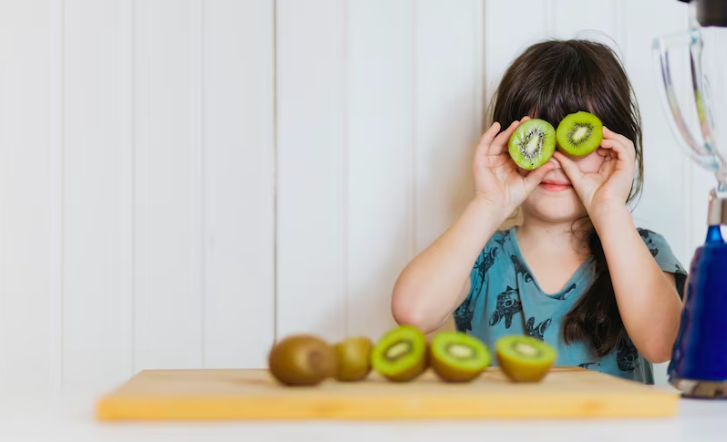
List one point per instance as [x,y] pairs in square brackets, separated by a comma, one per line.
[486,139]
[500,142]
[535,177]
[608,166]
[622,154]
[493,143]
[570,168]
[610,136]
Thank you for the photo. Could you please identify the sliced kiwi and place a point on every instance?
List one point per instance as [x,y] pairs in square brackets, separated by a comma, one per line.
[302,360]
[401,354]
[579,133]
[354,358]
[458,357]
[532,144]
[524,359]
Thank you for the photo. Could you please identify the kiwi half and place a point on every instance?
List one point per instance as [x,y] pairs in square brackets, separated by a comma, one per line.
[354,358]
[302,360]
[524,359]
[458,357]
[532,144]
[579,133]
[401,354]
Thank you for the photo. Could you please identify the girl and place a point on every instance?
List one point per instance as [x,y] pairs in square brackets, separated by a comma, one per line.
[576,273]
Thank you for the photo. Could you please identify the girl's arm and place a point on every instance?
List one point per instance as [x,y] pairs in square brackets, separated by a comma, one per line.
[436,282]
[647,298]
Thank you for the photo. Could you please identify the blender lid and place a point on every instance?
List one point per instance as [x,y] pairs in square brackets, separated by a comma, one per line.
[710,12]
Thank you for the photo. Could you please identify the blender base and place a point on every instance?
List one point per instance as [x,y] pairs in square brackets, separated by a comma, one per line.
[700,389]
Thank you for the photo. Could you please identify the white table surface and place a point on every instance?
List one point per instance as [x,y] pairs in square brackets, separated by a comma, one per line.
[72,419]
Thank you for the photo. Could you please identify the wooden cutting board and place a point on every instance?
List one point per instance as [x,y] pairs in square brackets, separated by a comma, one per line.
[254,395]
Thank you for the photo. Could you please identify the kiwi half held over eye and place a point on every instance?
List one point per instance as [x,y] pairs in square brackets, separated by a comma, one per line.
[579,133]
[524,359]
[532,144]
[300,360]
[401,354]
[458,357]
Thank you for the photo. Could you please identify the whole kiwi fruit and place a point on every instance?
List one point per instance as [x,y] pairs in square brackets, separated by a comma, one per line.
[301,360]
[353,356]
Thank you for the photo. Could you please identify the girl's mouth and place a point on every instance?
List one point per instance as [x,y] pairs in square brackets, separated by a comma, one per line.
[554,187]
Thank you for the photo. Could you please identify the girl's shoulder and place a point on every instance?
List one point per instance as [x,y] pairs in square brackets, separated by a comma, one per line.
[657,244]
[664,255]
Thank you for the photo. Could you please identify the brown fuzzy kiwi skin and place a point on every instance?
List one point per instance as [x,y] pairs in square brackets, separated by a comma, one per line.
[302,360]
[451,374]
[353,357]
[412,373]
[521,373]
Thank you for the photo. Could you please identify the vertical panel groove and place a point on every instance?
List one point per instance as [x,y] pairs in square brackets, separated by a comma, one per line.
[56,196]
[275,171]
[202,187]
[414,101]
[344,171]
[132,170]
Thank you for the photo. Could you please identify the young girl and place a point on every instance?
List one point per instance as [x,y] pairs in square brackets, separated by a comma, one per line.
[576,273]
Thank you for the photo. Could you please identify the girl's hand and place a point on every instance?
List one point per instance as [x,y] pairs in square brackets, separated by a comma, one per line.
[612,183]
[496,176]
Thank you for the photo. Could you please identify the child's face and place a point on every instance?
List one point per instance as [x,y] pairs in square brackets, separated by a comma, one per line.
[555,200]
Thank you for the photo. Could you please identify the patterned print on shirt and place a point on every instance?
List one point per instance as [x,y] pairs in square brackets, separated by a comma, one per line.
[508,305]
[537,331]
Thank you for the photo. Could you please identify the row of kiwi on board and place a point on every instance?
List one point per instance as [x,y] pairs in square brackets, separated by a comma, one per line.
[403,354]
[534,142]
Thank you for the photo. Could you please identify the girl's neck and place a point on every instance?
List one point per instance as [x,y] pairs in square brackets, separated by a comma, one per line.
[566,237]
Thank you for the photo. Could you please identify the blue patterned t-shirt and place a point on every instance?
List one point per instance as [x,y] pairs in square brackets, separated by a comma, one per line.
[505,299]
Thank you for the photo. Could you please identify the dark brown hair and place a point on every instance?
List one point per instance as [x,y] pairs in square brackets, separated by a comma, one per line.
[549,81]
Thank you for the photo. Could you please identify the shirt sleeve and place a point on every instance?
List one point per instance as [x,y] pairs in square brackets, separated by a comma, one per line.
[662,253]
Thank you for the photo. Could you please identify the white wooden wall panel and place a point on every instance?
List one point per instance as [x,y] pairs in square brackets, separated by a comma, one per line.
[449,112]
[575,18]
[379,108]
[380,147]
[97,183]
[26,189]
[167,294]
[311,136]
[239,182]
[662,207]
[503,43]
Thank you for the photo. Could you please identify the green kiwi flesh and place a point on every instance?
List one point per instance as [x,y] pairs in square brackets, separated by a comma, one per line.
[458,357]
[401,354]
[579,133]
[301,360]
[532,144]
[354,359]
[523,358]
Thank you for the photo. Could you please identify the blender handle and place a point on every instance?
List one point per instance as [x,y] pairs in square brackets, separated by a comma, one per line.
[699,153]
